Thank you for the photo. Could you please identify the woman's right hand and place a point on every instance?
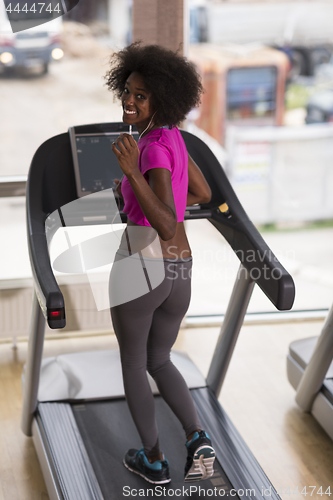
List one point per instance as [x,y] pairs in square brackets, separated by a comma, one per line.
[117,189]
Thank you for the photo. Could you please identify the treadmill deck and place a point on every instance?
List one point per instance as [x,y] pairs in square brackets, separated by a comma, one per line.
[88,440]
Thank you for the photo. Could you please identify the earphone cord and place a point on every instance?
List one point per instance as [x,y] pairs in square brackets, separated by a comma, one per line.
[118,202]
[145,130]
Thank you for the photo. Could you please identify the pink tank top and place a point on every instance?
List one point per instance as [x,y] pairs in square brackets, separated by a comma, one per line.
[160,148]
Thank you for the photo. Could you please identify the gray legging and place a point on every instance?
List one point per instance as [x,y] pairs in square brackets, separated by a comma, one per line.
[146,329]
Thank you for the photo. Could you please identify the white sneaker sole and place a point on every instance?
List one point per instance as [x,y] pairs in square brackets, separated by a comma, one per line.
[164,481]
[203,464]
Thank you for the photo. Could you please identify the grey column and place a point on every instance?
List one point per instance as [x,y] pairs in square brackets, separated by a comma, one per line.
[316,370]
[230,329]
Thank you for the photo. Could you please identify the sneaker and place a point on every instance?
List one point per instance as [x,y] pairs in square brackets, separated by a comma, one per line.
[200,458]
[156,473]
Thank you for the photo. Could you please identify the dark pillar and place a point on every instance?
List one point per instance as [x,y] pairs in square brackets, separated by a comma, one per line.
[159,22]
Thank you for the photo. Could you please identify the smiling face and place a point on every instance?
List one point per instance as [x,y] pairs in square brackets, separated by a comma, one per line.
[136,102]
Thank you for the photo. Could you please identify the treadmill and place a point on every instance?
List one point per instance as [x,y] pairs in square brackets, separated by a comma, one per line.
[310,372]
[74,405]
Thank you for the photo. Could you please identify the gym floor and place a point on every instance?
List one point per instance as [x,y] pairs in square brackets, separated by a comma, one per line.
[291,447]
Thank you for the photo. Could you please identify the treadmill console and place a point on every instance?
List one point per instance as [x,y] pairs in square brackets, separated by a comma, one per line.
[95,165]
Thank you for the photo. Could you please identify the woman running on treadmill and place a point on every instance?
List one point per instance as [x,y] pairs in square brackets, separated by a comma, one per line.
[157,89]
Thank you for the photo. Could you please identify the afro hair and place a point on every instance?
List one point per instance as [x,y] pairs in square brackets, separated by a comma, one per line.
[171,79]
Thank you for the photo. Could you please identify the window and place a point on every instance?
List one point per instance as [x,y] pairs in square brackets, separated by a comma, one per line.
[251,92]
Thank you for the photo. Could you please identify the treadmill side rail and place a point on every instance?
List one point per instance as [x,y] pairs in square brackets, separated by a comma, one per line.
[235,457]
[322,410]
[318,366]
[50,479]
[294,371]
[75,473]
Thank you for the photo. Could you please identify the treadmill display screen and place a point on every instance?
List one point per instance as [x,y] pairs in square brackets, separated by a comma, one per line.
[96,164]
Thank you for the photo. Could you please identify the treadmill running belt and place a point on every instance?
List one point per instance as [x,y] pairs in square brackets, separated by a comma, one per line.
[108,431]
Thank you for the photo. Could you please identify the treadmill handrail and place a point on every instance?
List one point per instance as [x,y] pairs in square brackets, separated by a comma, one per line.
[241,234]
[46,287]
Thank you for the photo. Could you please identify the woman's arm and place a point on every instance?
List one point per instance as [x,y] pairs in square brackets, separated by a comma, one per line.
[198,188]
[156,198]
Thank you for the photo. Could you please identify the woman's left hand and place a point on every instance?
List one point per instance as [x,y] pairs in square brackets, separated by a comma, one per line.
[127,152]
